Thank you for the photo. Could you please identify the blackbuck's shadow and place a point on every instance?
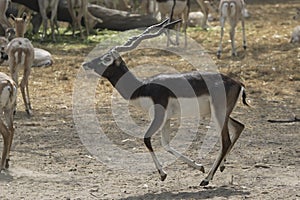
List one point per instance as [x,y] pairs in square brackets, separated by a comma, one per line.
[203,193]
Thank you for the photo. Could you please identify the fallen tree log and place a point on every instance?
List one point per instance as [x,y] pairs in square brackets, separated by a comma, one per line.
[111,19]
[119,20]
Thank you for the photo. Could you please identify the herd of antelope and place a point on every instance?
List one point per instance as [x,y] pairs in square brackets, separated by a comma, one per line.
[21,55]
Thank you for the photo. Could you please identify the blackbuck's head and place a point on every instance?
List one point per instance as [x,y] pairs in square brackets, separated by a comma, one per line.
[112,61]
[20,24]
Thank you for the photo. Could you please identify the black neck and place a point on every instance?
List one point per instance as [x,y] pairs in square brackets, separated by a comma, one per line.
[122,79]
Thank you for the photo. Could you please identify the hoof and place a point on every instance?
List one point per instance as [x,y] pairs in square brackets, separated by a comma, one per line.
[219,54]
[245,47]
[163,177]
[202,169]
[204,182]
[234,54]
[222,168]
[7,164]
[29,112]
[198,166]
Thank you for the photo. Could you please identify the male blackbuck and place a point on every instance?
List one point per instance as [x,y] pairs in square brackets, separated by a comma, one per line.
[8,95]
[47,6]
[233,10]
[169,94]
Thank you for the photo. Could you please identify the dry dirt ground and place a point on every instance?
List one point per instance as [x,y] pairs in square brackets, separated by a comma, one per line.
[49,160]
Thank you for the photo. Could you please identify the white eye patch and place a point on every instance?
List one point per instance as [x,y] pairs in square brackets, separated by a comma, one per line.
[107,60]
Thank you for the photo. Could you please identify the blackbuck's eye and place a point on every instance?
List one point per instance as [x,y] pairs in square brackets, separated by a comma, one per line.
[107,60]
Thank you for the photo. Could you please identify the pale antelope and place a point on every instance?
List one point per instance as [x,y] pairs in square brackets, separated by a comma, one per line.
[213,8]
[3,19]
[78,9]
[175,9]
[8,95]
[45,7]
[20,54]
[166,93]
[204,5]
[41,56]
[233,10]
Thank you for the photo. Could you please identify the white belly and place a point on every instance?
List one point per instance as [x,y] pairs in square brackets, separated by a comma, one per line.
[182,107]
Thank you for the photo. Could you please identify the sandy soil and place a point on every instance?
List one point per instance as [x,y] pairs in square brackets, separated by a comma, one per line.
[50,161]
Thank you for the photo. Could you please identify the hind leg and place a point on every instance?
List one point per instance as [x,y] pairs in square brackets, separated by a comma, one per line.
[237,128]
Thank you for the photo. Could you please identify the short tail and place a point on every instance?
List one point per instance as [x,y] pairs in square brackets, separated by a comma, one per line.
[244,96]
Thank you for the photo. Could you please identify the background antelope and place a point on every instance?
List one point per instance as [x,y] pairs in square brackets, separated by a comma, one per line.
[20,54]
[45,6]
[41,56]
[8,95]
[204,5]
[231,9]
[175,9]
[3,19]
[78,9]
[156,92]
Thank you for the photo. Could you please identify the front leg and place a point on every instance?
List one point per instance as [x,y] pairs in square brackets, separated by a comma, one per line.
[244,34]
[159,118]
[232,34]
[5,152]
[222,22]
[168,148]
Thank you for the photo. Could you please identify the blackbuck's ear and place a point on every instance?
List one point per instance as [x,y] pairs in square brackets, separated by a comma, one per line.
[12,17]
[24,16]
